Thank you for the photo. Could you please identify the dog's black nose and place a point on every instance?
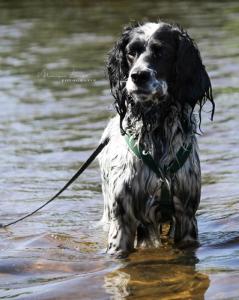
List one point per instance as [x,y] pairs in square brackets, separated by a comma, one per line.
[139,77]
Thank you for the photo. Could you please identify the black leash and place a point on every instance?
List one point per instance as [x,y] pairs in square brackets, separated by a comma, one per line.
[77,174]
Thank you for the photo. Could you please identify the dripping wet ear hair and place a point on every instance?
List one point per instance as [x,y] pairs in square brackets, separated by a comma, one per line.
[192,83]
[118,71]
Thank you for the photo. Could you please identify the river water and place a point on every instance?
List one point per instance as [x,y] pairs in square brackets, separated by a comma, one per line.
[55,102]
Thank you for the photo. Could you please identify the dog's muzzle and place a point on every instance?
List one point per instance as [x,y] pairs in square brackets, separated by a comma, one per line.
[143,85]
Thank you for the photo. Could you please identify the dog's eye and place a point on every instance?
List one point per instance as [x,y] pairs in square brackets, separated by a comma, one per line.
[131,55]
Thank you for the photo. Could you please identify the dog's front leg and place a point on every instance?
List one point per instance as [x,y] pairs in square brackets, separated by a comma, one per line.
[185,231]
[121,236]
[186,201]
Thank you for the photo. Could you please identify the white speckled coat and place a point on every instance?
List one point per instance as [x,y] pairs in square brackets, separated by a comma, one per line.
[132,191]
[157,78]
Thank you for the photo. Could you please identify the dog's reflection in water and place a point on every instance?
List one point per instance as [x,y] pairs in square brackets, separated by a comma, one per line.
[148,274]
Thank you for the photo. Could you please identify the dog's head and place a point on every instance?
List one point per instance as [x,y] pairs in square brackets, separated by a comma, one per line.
[154,63]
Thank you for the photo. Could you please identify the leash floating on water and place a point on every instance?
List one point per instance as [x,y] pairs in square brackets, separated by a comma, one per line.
[73,178]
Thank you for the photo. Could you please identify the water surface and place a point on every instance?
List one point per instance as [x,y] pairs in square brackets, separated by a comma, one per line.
[55,102]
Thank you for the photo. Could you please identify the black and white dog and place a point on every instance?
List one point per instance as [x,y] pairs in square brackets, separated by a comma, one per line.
[157,77]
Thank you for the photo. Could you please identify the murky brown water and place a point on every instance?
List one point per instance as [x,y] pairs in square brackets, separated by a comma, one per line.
[55,102]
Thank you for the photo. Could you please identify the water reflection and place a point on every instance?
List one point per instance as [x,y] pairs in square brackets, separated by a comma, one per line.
[158,274]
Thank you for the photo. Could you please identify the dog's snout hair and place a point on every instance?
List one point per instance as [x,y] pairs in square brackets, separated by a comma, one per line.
[157,78]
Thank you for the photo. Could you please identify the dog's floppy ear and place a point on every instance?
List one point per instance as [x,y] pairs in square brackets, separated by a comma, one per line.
[118,71]
[193,85]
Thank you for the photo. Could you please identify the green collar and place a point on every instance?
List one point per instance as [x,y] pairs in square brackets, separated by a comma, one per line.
[176,164]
